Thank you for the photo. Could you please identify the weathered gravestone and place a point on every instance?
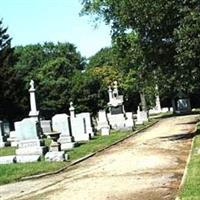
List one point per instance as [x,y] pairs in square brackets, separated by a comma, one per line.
[61,123]
[30,145]
[46,126]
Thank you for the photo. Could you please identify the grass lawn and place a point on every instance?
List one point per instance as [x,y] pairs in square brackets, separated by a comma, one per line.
[191,187]
[14,172]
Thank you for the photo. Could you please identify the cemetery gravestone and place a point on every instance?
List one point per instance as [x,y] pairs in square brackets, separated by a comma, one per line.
[30,146]
[88,123]
[61,123]
[78,127]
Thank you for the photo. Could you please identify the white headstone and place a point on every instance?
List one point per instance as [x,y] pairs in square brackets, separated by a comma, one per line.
[78,127]
[88,122]
[60,123]
[28,139]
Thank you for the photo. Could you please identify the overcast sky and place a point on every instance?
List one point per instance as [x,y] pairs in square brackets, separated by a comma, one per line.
[37,21]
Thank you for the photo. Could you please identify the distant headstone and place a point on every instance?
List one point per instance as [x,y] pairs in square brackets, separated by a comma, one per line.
[61,123]
[183,105]
[141,116]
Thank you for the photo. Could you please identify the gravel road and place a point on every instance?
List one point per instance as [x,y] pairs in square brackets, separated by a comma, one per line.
[148,166]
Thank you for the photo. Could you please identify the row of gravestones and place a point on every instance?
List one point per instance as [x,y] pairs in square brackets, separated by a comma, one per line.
[29,133]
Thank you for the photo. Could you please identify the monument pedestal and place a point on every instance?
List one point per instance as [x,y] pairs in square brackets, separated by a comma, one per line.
[31,147]
[66,142]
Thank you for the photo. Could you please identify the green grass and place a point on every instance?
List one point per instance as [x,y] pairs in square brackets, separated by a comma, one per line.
[191,187]
[6,151]
[14,172]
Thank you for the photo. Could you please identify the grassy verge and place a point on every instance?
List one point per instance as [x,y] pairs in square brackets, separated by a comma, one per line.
[191,187]
[14,172]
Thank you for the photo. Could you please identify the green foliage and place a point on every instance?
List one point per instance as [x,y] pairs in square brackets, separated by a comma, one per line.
[8,92]
[51,66]
[89,88]
[168,33]
[188,45]
[104,57]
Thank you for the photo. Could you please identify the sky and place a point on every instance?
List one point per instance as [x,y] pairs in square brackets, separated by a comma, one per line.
[38,21]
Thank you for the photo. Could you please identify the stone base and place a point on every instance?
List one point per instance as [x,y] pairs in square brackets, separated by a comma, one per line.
[27,158]
[7,159]
[2,144]
[65,139]
[55,156]
[31,147]
[105,131]
[32,151]
[67,146]
[13,144]
[139,122]
[82,137]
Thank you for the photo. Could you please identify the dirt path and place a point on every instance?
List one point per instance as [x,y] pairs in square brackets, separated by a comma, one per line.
[148,166]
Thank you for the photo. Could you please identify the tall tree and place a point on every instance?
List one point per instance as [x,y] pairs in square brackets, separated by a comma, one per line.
[154,22]
[52,67]
[188,45]
[7,75]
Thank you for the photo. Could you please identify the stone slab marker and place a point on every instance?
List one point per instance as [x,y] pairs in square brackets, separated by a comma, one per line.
[61,123]
[30,145]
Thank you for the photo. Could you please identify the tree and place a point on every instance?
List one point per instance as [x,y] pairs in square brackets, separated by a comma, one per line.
[153,21]
[7,76]
[90,89]
[51,66]
[188,45]
[104,57]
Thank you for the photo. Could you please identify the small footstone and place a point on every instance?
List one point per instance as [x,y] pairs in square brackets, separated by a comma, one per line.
[55,156]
